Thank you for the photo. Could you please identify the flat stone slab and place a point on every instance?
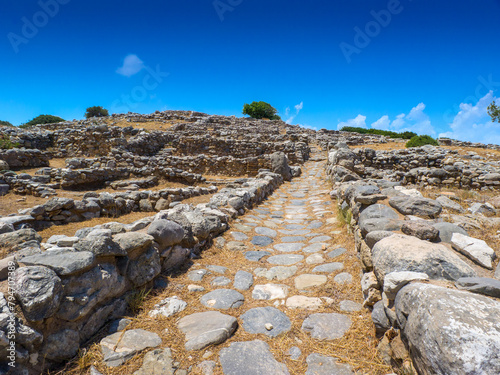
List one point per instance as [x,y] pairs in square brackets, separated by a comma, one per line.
[268,232]
[319,364]
[304,302]
[343,278]
[350,306]
[308,281]
[276,273]
[296,232]
[315,247]
[473,248]
[197,275]
[262,241]
[121,346]
[270,291]
[223,299]
[238,236]
[320,239]
[315,258]
[329,267]
[236,246]
[250,358]
[243,280]
[294,226]
[315,225]
[285,259]
[326,326]
[337,252]
[168,307]
[158,361]
[220,281]
[288,247]
[217,269]
[267,320]
[255,256]
[63,262]
[243,228]
[480,285]
[206,328]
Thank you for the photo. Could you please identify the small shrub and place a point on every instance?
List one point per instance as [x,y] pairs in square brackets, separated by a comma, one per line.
[386,133]
[6,143]
[344,216]
[96,111]
[42,119]
[136,299]
[5,123]
[261,110]
[421,140]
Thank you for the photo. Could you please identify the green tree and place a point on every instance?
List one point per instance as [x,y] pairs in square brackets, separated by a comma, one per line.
[96,111]
[494,112]
[5,123]
[42,119]
[261,110]
[421,140]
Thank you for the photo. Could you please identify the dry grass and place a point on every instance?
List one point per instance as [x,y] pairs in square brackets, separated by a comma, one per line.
[53,163]
[389,146]
[148,125]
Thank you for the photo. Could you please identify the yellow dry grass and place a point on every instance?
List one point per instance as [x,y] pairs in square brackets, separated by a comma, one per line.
[148,125]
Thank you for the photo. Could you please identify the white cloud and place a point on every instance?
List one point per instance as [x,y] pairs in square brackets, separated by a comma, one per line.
[382,123]
[472,123]
[298,108]
[359,121]
[416,121]
[131,65]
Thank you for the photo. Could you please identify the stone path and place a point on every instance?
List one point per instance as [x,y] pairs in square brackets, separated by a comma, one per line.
[273,295]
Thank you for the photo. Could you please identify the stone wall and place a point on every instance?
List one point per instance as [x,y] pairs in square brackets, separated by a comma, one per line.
[24,158]
[68,288]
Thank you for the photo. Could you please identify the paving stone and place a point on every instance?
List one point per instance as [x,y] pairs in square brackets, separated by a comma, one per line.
[243,280]
[294,226]
[326,326]
[270,224]
[238,236]
[350,306]
[266,232]
[255,256]
[296,232]
[315,259]
[292,239]
[250,358]
[206,328]
[269,291]
[329,267]
[319,364]
[220,281]
[303,302]
[294,352]
[308,281]
[197,275]
[223,299]
[121,346]
[236,246]
[337,252]
[276,273]
[158,361]
[285,259]
[315,247]
[267,320]
[243,228]
[168,307]
[288,247]
[320,239]
[262,241]
[343,278]
[315,225]
[217,269]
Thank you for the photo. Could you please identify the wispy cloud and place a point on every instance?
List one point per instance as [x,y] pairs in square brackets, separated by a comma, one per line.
[416,121]
[359,122]
[472,123]
[298,108]
[131,65]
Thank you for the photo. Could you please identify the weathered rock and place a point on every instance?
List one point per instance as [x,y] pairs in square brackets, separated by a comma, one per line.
[100,246]
[373,237]
[133,242]
[326,326]
[250,358]
[62,345]
[308,281]
[260,319]
[223,299]
[480,285]
[319,364]
[474,248]
[444,332]
[269,291]
[303,302]
[482,208]
[119,347]
[64,262]
[421,230]
[279,165]
[157,361]
[405,253]
[446,230]
[206,328]
[449,204]
[166,233]
[38,290]
[144,268]
[243,280]
[10,241]
[416,206]
[168,307]
[380,319]
[394,281]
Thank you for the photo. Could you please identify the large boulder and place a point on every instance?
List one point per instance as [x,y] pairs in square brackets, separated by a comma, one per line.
[279,165]
[406,253]
[11,241]
[416,206]
[166,233]
[449,331]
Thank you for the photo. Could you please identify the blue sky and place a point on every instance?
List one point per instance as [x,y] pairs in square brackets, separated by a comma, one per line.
[428,66]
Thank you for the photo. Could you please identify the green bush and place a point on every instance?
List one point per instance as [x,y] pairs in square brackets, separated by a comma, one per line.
[387,133]
[261,110]
[421,140]
[96,111]
[42,119]
[6,143]
[5,123]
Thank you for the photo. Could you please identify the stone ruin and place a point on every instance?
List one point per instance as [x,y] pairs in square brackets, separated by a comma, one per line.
[426,281]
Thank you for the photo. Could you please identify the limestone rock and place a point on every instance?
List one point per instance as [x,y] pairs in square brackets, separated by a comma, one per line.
[474,248]
[326,326]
